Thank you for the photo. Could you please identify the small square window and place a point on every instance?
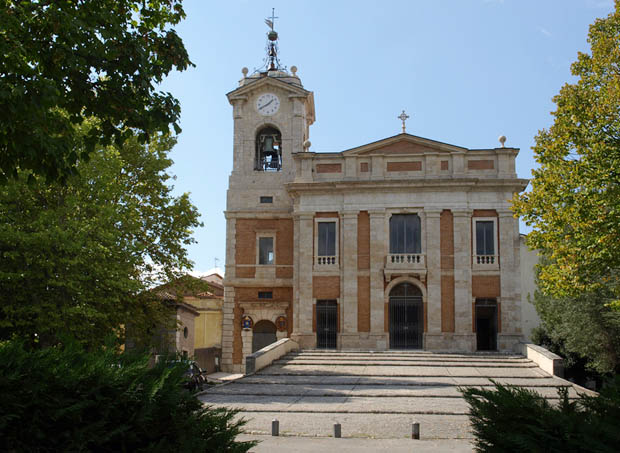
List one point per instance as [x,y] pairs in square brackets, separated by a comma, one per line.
[265,295]
[266,199]
[265,250]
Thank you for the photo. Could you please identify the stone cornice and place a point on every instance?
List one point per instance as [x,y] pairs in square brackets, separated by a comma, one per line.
[255,214]
[266,81]
[383,185]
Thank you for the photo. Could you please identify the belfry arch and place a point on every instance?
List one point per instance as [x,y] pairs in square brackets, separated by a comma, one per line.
[268,155]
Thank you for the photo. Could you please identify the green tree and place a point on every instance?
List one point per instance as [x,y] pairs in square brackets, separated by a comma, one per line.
[77,258]
[73,400]
[582,326]
[64,61]
[516,419]
[574,204]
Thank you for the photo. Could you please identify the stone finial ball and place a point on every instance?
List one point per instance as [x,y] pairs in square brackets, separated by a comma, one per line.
[294,69]
[307,144]
[502,139]
[244,71]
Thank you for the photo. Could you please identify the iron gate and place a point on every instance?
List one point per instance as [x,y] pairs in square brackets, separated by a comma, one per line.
[406,322]
[326,324]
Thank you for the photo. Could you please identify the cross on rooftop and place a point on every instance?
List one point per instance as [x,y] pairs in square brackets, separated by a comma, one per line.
[270,21]
[403,117]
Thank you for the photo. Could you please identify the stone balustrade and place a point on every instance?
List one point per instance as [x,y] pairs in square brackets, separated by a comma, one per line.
[326,261]
[405,261]
[485,262]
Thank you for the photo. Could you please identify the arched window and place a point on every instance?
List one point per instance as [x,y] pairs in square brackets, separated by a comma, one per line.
[268,150]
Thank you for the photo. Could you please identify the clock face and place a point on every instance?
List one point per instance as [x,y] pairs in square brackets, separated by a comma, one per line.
[267,104]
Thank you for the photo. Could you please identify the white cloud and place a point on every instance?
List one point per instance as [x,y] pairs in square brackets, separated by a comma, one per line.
[544,31]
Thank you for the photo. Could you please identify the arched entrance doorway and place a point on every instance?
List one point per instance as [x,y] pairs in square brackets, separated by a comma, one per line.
[406,317]
[263,334]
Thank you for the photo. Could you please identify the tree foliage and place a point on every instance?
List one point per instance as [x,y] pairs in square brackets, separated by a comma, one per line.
[583,326]
[77,257]
[68,399]
[574,204]
[516,419]
[64,61]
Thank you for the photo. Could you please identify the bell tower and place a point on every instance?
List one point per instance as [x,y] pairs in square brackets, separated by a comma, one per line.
[272,114]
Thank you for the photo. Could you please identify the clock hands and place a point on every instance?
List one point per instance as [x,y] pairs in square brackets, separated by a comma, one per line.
[263,106]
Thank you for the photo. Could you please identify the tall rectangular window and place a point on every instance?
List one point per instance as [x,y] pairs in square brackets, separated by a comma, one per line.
[327,239]
[485,244]
[405,233]
[265,250]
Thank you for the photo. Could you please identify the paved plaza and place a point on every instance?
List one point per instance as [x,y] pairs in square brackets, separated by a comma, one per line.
[373,395]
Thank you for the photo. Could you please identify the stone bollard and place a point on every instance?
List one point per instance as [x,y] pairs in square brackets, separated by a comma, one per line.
[415,431]
[275,427]
[337,431]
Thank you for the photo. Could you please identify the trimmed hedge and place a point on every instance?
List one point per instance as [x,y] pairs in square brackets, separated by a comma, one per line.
[519,420]
[68,399]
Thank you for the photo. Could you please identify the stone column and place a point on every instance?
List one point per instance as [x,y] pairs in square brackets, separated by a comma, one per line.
[305,336]
[231,241]
[348,302]
[238,138]
[510,278]
[246,337]
[227,328]
[295,320]
[377,263]
[464,337]
[433,269]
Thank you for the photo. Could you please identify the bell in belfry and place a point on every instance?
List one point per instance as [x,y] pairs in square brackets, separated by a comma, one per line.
[268,146]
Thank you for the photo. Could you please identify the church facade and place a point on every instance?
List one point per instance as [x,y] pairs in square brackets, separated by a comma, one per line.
[404,243]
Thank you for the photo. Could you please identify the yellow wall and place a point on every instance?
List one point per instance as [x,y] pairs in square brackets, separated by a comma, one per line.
[208,324]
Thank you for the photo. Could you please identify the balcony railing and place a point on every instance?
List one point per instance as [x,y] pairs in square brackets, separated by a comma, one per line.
[405,261]
[486,262]
[485,259]
[326,261]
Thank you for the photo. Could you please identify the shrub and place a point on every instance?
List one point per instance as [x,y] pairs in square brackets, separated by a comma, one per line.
[68,399]
[519,420]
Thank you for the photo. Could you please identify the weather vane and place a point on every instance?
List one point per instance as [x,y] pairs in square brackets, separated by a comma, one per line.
[403,117]
[271,62]
[270,21]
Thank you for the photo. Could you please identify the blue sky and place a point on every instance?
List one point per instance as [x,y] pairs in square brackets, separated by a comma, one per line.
[466,71]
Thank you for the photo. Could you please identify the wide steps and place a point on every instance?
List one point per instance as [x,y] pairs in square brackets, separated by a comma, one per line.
[375,394]
[367,390]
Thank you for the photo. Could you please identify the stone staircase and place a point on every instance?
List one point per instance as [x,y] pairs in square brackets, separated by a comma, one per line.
[374,394]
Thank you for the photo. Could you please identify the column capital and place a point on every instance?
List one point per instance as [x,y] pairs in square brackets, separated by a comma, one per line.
[303,215]
[505,213]
[350,214]
[462,212]
[376,212]
[433,212]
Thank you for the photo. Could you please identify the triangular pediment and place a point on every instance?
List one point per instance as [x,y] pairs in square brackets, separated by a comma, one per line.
[403,145]
[253,85]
